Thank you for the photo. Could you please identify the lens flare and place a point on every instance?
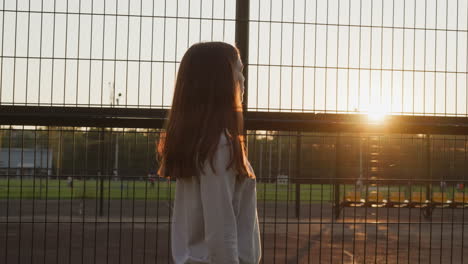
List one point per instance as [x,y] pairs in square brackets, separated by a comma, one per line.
[377,113]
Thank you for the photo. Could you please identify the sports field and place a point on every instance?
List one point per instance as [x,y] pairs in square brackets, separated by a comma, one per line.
[53,189]
[136,189]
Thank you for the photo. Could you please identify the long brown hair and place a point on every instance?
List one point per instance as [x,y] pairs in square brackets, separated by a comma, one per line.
[206,103]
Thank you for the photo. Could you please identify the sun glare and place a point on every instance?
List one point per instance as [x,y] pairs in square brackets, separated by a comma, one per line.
[377,113]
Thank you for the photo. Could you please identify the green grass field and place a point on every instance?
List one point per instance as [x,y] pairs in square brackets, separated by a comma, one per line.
[15,188]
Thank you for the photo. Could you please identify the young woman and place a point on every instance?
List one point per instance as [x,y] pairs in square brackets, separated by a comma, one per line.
[215,212]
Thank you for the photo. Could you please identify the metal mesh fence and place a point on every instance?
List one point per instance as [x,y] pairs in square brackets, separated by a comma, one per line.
[398,57]
[85,194]
[86,53]
[94,196]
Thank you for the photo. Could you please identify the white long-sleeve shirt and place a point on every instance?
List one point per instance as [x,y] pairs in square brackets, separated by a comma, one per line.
[215,216]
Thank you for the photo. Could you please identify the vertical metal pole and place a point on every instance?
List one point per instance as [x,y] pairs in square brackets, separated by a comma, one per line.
[361,170]
[298,174]
[428,210]
[269,159]
[428,167]
[102,171]
[242,41]
[261,160]
[336,185]
[116,161]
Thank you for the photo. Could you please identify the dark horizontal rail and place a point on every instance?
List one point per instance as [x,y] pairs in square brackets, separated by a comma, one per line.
[154,118]
[82,116]
[289,222]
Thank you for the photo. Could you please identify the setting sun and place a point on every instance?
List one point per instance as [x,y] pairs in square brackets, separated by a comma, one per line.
[377,113]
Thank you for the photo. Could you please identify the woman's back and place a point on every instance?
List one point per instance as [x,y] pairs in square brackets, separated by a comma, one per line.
[215,215]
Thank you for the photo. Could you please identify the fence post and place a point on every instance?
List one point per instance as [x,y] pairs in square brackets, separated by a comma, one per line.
[298,174]
[428,167]
[102,170]
[242,41]
[336,185]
